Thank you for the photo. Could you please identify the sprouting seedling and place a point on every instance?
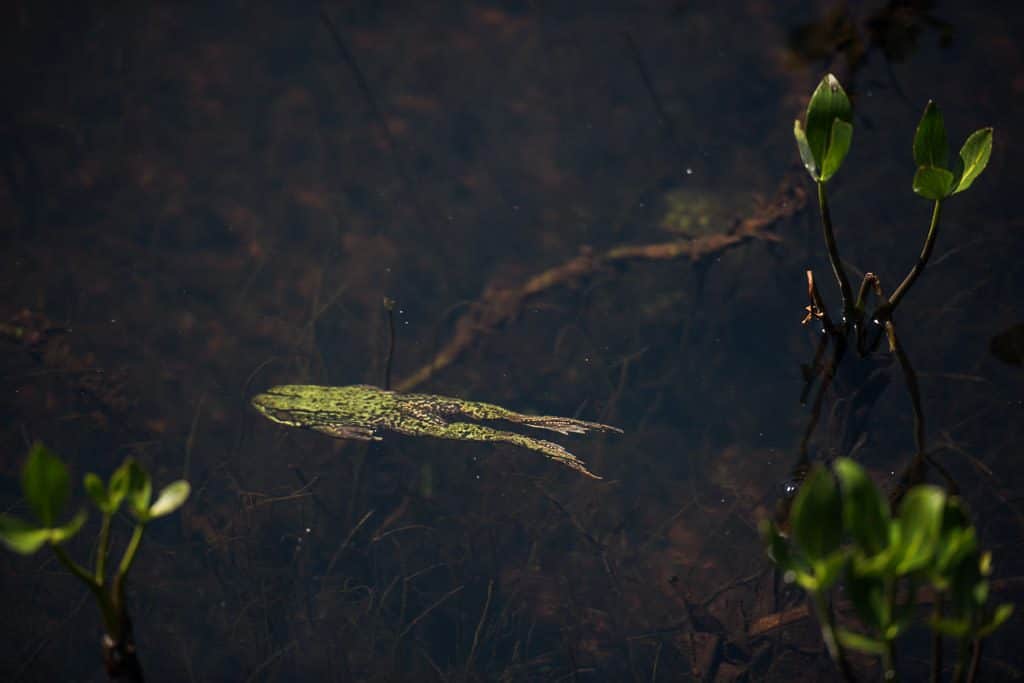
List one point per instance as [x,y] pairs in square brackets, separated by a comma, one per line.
[46,486]
[824,141]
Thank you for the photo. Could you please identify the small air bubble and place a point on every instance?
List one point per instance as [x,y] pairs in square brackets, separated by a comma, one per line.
[689,171]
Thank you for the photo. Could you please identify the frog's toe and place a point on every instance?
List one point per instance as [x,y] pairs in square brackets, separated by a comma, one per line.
[566,425]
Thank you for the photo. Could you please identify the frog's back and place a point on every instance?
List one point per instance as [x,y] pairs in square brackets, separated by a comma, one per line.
[362,404]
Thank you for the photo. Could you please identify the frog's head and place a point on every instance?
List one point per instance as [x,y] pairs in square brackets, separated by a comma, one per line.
[287,404]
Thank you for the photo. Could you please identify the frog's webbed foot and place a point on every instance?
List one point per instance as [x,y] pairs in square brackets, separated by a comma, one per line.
[564,425]
[464,431]
[340,431]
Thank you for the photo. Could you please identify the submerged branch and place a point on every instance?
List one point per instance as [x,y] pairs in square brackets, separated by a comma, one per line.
[497,306]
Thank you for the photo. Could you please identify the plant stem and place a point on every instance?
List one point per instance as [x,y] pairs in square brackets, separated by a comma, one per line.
[828,633]
[133,547]
[107,609]
[922,261]
[958,670]
[889,653]
[833,253]
[889,662]
[975,661]
[122,571]
[103,549]
[936,675]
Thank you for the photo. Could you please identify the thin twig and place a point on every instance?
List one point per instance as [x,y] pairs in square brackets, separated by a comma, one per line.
[427,611]
[479,628]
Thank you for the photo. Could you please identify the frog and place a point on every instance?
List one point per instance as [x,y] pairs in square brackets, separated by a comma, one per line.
[692,212]
[362,411]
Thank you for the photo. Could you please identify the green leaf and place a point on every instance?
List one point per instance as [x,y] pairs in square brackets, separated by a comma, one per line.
[97,492]
[140,489]
[861,642]
[865,512]
[931,146]
[120,480]
[63,533]
[21,536]
[954,628]
[46,484]
[806,156]
[1002,613]
[920,523]
[806,580]
[817,516]
[932,182]
[828,103]
[829,570]
[974,155]
[838,146]
[172,497]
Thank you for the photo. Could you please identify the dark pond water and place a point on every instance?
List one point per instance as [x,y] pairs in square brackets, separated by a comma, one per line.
[198,204]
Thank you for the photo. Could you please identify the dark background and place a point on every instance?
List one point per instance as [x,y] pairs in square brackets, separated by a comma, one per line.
[199,202]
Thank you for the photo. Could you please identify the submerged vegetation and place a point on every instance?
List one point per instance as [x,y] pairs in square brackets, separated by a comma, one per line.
[843,532]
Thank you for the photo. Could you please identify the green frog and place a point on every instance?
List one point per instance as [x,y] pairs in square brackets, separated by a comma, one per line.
[360,411]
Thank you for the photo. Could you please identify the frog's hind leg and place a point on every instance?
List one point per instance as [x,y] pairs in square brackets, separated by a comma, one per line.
[562,425]
[464,431]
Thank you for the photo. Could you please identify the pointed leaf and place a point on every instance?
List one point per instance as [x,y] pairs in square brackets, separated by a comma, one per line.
[975,155]
[140,490]
[954,628]
[46,484]
[865,512]
[817,516]
[172,497]
[97,492]
[920,525]
[829,570]
[806,156]
[860,642]
[21,536]
[828,103]
[120,480]
[931,146]
[63,533]
[838,146]
[1002,613]
[932,182]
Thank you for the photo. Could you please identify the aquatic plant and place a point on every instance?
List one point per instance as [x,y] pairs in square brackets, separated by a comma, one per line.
[823,141]
[46,485]
[843,530]
[842,527]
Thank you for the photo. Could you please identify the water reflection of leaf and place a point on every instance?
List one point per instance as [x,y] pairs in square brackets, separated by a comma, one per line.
[1008,345]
